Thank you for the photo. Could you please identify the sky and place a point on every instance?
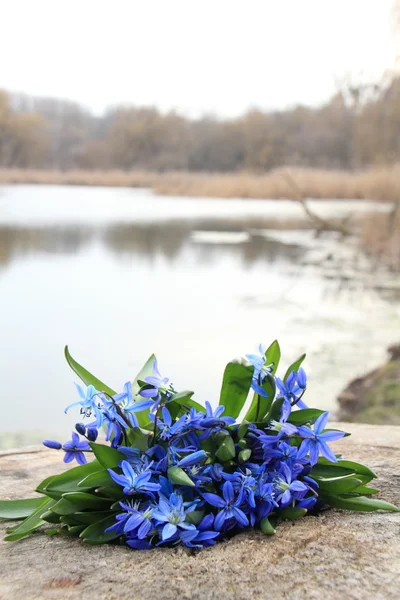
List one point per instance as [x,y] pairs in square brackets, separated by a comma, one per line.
[218,57]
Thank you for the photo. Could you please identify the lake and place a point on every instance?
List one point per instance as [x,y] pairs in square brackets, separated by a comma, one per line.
[120,273]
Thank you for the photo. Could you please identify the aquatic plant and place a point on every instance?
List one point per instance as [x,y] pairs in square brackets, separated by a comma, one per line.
[170,471]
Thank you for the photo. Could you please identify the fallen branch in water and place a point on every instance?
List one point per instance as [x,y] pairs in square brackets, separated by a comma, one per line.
[321,223]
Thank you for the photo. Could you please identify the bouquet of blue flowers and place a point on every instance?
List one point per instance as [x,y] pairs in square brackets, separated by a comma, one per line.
[170,471]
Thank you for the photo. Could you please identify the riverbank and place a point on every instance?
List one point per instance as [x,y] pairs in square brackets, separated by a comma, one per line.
[374,397]
[382,184]
[338,554]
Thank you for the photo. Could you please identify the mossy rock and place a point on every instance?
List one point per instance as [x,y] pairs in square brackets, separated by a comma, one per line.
[374,398]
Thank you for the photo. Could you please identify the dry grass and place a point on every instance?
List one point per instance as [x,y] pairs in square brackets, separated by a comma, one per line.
[380,238]
[373,184]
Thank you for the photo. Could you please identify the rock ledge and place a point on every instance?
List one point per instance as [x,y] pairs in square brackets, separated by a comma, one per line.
[336,555]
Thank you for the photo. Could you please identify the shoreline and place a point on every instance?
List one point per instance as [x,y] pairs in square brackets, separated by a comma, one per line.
[375,185]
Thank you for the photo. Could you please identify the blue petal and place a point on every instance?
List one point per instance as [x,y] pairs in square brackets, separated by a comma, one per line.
[240,516]
[144,529]
[327,452]
[298,486]
[220,520]
[168,531]
[314,452]
[258,389]
[227,492]
[141,405]
[331,436]
[134,521]
[320,423]
[214,500]
[80,458]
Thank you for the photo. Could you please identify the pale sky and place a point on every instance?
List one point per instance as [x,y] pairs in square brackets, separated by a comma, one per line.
[195,56]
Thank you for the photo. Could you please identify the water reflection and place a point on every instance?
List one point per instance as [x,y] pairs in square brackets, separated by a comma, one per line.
[147,241]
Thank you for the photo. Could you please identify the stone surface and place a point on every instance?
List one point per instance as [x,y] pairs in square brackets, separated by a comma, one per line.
[336,555]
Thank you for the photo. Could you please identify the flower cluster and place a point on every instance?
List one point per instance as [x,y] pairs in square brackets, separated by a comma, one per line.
[174,472]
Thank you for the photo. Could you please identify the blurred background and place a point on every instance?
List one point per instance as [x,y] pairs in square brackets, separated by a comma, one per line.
[192,179]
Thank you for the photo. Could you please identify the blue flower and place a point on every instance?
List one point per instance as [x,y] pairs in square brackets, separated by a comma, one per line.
[158,384]
[291,390]
[282,452]
[127,404]
[261,370]
[141,520]
[133,455]
[170,515]
[316,441]
[166,427]
[203,536]
[214,418]
[286,488]
[229,505]
[215,471]
[134,481]
[88,403]
[245,482]
[265,499]
[74,450]
[193,459]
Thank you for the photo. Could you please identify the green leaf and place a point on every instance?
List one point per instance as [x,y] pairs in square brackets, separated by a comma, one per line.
[260,406]
[330,471]
[276,409]
[96,480]
[50,517]
[85,376]
[68,531]
[69,480]
[353,466]
[305,415]
[30,523]
[294,366]
[184,399]
[244,455]
[77,501]
[69,520]
[226,451]
[178,476]
[75,530]
[339,486]
[235,388]
[292,513]
[243,429]
[273,355]
[144,372]
[140,438]
[363,490]
[87,518]
[95,533]
[195,516]
[42,486]
[266,527]
[360,503]
[112,491]
[108,457]
[18,509]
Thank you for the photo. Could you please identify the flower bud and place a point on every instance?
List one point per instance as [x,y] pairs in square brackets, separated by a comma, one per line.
[92,434]
[52,444]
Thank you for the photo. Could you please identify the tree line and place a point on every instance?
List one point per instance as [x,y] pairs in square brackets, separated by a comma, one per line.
[351,131]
